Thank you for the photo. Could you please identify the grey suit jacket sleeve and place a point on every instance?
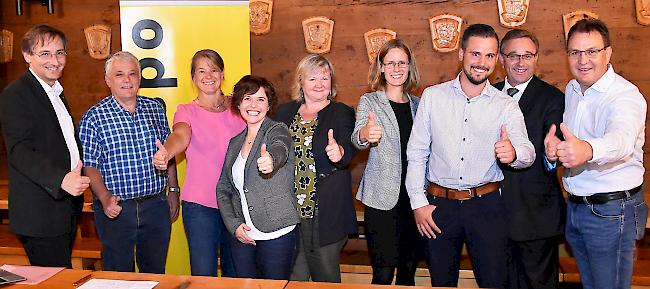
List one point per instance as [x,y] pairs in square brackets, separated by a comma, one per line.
[278,144]
[363,108]
[225,194]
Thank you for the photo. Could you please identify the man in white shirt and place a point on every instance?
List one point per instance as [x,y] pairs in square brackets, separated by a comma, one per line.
[45,181]
[463,130]
[604,123]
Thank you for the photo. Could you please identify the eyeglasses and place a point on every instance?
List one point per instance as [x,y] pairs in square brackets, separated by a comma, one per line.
[46,54]
[590,53]
[516,57]
[393,64]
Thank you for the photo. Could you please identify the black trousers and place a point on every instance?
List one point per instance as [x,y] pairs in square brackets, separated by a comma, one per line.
[49,251]
[533,264]
[480,223]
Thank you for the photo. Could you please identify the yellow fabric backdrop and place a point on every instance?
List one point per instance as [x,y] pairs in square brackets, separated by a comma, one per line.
[173,32]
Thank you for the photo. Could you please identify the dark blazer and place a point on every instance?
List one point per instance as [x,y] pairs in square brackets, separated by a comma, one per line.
[38,160]
[336,213]
[270,197]
[533,196]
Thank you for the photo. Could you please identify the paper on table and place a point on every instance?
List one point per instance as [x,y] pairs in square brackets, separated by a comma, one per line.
[34,274]
[117,284]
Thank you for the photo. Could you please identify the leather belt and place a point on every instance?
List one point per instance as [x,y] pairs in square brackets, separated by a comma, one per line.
[147,197]
[602,198]
[462,195]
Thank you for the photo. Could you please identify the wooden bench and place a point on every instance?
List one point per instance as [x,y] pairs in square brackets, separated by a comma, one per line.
[570,274]
[87,249]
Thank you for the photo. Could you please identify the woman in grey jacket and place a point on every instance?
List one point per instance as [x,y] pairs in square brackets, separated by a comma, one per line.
[255,191]
[383,124]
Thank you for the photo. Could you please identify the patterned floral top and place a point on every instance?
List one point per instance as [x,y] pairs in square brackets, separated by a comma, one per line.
[302,133]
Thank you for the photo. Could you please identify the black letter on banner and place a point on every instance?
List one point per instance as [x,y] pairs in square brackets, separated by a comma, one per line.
[144,25]
[157,81]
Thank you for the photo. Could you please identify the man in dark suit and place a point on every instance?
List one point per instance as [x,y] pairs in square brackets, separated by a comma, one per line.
[533,198]
[43,155]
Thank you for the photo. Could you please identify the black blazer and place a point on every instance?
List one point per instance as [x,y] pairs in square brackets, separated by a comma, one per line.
[336,213]
[533,196]
[38,159]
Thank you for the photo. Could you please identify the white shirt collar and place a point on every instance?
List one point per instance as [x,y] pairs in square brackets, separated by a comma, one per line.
[55,90]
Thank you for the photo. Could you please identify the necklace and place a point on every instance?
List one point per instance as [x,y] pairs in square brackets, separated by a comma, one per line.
[211,107]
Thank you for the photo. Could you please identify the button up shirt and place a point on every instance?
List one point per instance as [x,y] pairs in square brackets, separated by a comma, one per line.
[121,145]
[453,137]
[63,116]
[610,116]
[520,88]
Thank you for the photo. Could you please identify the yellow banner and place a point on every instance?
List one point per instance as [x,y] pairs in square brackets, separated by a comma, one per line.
[164,35]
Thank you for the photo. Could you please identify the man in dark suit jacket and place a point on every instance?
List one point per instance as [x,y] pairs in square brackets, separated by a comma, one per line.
[43,154]
[533,198]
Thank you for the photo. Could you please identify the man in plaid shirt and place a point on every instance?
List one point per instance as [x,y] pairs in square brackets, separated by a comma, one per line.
[119,136]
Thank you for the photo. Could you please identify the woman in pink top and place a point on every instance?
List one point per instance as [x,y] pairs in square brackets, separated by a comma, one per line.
[202,128]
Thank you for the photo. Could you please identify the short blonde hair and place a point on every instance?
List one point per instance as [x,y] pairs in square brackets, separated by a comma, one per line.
[308,64]
[376,77]
[121,55]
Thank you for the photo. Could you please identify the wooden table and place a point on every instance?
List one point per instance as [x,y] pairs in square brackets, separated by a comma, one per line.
[312,285]
[65,278]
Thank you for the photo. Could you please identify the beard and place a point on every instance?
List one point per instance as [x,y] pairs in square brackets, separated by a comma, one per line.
[474,80]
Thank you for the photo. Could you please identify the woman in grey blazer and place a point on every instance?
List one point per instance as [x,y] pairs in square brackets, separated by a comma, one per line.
[255,191]
[383,124]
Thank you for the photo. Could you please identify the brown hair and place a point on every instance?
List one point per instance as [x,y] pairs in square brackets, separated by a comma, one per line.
[39,34]
[250,84]
[478,30]
[516,34]
[308,64]
[590,25]
[376,77]
[208,54]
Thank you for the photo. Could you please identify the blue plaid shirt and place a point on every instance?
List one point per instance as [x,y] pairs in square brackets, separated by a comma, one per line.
[121,145]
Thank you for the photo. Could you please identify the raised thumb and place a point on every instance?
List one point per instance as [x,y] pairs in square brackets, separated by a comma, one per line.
[77,168]
[566,132]
[371,118]
[504,133]
[263,149]
[160,145]
[551,131]
[330,137]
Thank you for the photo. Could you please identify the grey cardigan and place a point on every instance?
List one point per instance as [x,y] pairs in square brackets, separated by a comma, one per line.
[271,198]
[380,184]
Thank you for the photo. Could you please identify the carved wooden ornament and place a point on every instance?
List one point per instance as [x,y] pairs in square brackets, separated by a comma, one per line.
[570,19]
[318,34]
[6,46]
[445,31]
[375,39]
[643,12]
[513,13]
[260,16]
[98,38]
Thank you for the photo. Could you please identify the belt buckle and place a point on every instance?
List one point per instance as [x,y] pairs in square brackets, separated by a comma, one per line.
[471,194]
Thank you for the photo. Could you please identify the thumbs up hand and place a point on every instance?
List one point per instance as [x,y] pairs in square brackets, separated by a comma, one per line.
[573,152]
[161,157]
[74,183]
[333,149]
[550,144]
[503,148]
[111,206]
[371,132]
[265,161]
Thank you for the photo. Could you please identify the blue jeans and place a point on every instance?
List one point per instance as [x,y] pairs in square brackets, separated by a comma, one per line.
[602,238]
[268,259]
[143,225]
[208,239]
